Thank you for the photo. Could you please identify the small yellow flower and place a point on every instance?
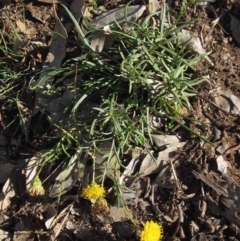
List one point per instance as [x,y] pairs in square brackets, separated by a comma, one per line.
[93,191]
[36,188]
[152,232]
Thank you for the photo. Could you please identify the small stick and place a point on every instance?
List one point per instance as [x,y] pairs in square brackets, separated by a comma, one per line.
[174,174]
[179,222]
[231,150]
[221,109]
[202,203]
[64,220]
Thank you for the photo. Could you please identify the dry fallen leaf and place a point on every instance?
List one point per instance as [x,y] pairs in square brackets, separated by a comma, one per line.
[102,40]
[6,170]
[153,6]
[129,169]
[154,162]
[235,28]
[109,39]
[54,59]
[222,165]
[195,43]
[118,15]
[66,179]
[32,166]
[97,42]
[50,213]
[76,9]
[107,162]
[21,26]
[164,178]
[8,193]
[162,141]
[226,100]
[223,102]
[236,102]
[4,235]
[29,32]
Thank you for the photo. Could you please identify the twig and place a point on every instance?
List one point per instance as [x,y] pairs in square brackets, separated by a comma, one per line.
[179,222]
[231,150]
[218,107]
[202,203]
[64,220]
[174,174]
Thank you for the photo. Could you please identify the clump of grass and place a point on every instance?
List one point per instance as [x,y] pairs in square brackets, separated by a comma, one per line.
[146,72]
[9,73]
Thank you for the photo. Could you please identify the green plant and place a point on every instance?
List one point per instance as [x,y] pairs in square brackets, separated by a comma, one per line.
[94,6]
[149,74]
[9,73]
[146,72]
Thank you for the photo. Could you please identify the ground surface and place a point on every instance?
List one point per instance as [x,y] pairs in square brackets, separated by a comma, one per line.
[200,202]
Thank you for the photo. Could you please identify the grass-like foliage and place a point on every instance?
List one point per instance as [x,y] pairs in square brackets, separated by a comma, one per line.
[147,72]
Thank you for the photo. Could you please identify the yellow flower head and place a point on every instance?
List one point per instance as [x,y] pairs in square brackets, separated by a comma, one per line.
[36,187]
[93,191]
[152,232]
